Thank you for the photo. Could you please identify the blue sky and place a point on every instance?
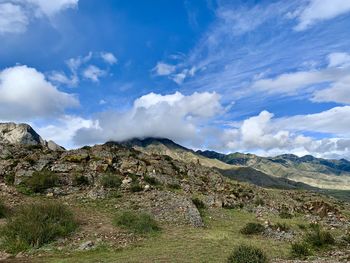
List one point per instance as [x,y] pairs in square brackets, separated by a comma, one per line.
[267,77]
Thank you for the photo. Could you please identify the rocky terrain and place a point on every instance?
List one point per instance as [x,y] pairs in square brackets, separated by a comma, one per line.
[199,209]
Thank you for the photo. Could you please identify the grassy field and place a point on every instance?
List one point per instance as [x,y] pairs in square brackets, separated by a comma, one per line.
[187,244]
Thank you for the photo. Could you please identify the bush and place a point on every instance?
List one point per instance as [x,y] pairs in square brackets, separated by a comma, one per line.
[111,181]
[300,250]
[346,238]
[252,229]
[174,186]
[137,222]
[247,254]
[79,179]
[136,187]
[284,213]
[151,180]
[3,209]
[319,238]
[40,181]
[34,225]
[9,179]
[198,203]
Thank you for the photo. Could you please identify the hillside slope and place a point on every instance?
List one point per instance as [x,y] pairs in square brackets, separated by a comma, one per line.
[317,172]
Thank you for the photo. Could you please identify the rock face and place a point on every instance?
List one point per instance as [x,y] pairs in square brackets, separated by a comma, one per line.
[12,133]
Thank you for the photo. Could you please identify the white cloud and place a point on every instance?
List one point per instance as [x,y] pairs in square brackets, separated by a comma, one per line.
[174,116]
[63,129]
[61,78]
[163,69]
[52,7]
[339,59]
[263,134]
[75,65]
[336,77]
[26,94]
[93,73]
[321,10]
[12,18]
[109,58]
[15,15]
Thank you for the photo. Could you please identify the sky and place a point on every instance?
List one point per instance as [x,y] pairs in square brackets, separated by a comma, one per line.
[264,77]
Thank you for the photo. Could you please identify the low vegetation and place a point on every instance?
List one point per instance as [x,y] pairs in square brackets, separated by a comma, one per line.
[198,203]
[285,214]
[319,238]
[36,224]
[3,209]
[252,229]
[110,181]
[80,180]
[300,250]
[40,181]
[136,187]
[137,222]
[247,254]
[151,180]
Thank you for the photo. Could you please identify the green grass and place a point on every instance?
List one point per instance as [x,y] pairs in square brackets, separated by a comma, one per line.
[188,244]
[36,224]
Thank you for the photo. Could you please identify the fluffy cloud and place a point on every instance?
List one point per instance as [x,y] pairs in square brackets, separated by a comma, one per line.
[26,94]
[109,58]
[12,18]
[263,134]
[174,116]
[320,10]
[93,73]
[63,129]
[15,15]
[163,69]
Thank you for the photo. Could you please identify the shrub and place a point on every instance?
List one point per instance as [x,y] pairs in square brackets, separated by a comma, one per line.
[137,222]
[284,213]
[252,229]
[3,209]
[34,225]
[198,203]
[300,250]
[80,179]
[247,254]
[174,186]
[40,181]
[151,180]
[259,201]
[346,238]
[9,179]
[136,187]
[319,238]
[111,181]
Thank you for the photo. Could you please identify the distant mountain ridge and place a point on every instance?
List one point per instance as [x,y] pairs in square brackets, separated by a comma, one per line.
[308,169]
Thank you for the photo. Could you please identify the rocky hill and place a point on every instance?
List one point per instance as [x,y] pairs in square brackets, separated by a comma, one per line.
[12,133]
[199,210]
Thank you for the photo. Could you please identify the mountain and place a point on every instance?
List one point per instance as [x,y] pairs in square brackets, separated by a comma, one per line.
[115,195]
[161,146]
[24,134]
[317,172]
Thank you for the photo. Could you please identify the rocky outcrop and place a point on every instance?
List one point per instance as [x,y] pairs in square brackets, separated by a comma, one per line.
[24,134]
